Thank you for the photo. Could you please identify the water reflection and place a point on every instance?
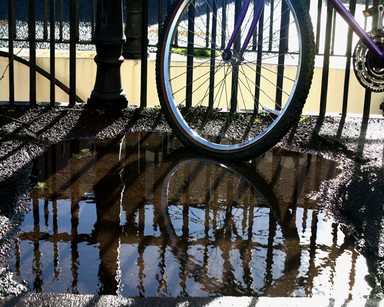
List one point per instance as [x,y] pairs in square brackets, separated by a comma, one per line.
[138,217]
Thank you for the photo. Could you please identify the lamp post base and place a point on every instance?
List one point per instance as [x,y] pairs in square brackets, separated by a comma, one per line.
[109,40]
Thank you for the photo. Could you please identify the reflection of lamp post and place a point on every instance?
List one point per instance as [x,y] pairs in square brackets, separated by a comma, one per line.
[109,39]
[108,190]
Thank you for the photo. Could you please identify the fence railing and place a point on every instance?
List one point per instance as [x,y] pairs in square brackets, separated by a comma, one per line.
[66,25]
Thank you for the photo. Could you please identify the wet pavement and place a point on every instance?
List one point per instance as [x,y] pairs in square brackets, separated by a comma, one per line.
[139,216]
[135,218]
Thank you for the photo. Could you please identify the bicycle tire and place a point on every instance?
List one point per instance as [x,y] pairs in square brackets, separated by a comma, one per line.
[234,109]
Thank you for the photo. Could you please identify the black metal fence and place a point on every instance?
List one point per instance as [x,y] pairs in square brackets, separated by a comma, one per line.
[69,24]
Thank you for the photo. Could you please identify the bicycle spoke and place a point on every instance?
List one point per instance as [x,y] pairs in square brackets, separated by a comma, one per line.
[232,98]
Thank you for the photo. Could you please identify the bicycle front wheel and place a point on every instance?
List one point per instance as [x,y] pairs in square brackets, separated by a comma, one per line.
[234,107]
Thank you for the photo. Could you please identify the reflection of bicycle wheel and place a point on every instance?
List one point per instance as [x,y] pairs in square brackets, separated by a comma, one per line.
[221,99]
[224,231]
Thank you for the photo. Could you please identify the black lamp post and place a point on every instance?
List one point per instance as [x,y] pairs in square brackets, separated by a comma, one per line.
[133,29]
[109,40]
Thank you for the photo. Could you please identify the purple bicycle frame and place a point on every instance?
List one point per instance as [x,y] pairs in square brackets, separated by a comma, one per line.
[351,21]
[338,6]
[239,22]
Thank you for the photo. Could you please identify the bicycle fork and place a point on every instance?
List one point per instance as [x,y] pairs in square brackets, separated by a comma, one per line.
[227,53]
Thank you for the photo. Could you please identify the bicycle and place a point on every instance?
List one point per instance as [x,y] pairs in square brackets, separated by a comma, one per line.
[233,75]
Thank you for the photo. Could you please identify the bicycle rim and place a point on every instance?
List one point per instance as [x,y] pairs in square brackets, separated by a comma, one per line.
[240,107]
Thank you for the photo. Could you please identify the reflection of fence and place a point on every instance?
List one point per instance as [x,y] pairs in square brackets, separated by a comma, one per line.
[60,25]
[155,228]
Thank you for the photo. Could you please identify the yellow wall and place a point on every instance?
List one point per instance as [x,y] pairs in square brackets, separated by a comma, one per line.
[335,94]
[131,70]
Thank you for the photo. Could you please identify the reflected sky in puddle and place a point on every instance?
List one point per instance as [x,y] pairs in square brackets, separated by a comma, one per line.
[140,216]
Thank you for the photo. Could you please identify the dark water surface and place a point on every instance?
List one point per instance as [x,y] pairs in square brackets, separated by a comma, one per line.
[139,216]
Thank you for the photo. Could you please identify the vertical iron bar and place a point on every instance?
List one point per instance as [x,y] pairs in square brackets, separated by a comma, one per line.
[208,26]
[144,55]
[61,19]
[366,19]
[213,55]
[375,4]
[93,18]
[256,32]
[271,18]
[11,36]
[283,47]
[235,70]
[324,84]
[32,52]
[45,20]
[332,38]
[135,27]
[52,51]
[259,63]
[191,30]
[159,18]
[224,25]
[367,104]
[352,8]
[72,51]
[368,93]
[318,26]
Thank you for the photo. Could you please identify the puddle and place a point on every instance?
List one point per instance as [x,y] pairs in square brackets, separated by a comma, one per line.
[139,217]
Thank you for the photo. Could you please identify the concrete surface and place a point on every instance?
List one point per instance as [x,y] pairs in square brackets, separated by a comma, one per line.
[355,143]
